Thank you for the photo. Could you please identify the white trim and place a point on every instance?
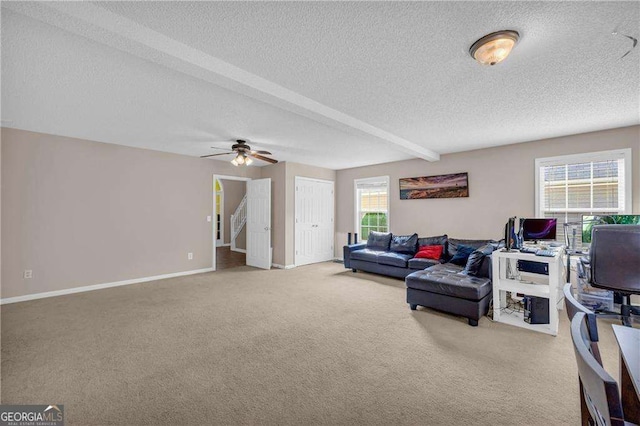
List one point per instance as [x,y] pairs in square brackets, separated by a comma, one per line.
[314,179]
[229,177]
[278,266]
[239,250]
[99,286]
[220,242]
[213,230]
[584,157]
[356,204]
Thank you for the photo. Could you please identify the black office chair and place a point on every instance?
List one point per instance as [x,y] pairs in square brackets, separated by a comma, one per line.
[573,307]
[614,261]
[600,393]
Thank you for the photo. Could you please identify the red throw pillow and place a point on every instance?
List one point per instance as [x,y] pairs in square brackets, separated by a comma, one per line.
[430,252]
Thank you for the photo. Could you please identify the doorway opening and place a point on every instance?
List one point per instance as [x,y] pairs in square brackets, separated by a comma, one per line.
[253,212]
[229,227]
[219,225]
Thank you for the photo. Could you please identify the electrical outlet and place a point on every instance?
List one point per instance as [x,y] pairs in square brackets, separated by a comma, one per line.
[208,218]
[28,273]
[189,256]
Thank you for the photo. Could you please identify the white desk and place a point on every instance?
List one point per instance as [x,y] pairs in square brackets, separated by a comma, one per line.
[549,287]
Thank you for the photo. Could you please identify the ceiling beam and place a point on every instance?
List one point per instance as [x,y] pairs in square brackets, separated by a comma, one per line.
[101,25]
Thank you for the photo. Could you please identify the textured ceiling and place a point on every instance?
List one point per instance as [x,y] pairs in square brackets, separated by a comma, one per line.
[377,81]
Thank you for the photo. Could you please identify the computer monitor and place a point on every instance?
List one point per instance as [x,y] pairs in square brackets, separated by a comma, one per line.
[509,234]
[588,222]
[538,229]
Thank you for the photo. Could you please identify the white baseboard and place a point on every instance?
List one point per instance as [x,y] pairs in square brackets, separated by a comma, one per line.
[276,265]
[239,250]
[99,286]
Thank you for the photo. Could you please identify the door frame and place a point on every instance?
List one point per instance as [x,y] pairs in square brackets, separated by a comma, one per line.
[213,190]
[220,242]
[295,212]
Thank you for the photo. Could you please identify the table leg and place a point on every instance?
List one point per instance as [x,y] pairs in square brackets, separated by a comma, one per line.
[630,400]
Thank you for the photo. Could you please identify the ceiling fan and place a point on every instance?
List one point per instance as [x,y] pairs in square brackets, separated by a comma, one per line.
[243,154]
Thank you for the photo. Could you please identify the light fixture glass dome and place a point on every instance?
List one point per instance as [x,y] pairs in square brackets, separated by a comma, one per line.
[494,48]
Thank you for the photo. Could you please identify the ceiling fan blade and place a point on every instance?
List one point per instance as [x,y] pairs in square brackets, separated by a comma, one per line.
[223,149]
[260,157]
[261,152]
[214,155]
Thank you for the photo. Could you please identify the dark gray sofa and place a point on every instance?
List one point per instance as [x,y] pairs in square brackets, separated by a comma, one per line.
[380,259]
[463,290]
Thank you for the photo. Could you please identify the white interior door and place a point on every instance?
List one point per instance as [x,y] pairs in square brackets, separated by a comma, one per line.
[259,223]
[314,229]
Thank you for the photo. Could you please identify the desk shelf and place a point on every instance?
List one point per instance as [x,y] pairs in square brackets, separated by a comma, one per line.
[550,289]
[517,319]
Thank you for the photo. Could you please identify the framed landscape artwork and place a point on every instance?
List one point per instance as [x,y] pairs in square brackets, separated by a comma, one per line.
[442,186]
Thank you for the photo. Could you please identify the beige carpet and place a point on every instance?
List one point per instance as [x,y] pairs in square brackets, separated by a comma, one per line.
[312,345]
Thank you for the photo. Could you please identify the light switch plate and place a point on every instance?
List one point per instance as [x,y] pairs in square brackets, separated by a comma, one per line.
[208,218]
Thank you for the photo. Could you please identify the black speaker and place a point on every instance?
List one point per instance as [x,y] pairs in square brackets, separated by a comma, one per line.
[536,310]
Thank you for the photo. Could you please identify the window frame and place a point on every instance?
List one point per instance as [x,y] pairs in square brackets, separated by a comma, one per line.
[376,179]
[617,154]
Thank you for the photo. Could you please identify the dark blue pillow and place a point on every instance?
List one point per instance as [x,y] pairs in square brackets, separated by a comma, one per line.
[462,254]
[379,241]
[404,244]
[477,260]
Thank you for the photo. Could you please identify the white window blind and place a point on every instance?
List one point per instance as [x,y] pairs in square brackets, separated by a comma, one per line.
[372,205]
[569,187]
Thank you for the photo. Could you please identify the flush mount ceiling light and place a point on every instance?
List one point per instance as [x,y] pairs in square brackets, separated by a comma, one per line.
[494,48]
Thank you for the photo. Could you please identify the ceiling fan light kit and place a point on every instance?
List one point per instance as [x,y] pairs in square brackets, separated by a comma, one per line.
[244,155]
[495,47]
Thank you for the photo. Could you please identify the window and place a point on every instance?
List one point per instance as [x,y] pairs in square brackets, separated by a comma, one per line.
[372,205]
[571,186]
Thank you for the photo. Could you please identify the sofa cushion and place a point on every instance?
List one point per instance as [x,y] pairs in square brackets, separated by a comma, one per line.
[394,259]
[404,243]
[421,263]
[476,259]
[448,279]
[379,240]
[462,255]
[366,254]
[434,241]
[453,243]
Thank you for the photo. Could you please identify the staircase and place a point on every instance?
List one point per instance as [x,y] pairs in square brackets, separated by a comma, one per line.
[238,220]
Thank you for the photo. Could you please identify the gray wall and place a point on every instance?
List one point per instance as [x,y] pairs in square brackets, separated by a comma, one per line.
[79,213]
[501,184]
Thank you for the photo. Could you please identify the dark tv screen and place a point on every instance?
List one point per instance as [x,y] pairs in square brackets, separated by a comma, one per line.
[538,229]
